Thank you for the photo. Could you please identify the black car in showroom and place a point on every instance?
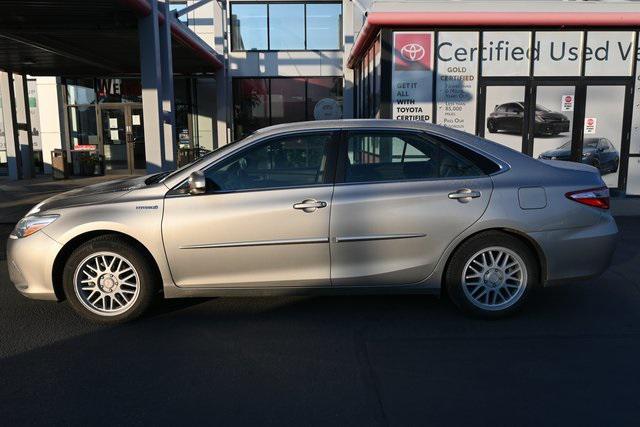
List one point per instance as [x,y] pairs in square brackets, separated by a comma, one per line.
[510,116]
[597,152]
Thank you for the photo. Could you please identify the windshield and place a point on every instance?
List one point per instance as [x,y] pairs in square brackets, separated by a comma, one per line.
[564,146]
[542,108]
[166,175]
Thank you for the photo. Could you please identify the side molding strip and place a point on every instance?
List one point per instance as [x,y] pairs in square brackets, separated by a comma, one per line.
[257,243]
[377,237]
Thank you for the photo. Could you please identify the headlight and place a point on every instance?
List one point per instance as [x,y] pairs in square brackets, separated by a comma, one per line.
[31,224]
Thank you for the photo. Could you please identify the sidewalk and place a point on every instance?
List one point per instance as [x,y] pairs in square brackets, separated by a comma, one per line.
[17,197]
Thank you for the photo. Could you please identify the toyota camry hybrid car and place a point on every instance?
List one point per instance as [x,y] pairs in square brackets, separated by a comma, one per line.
[371,206]
[510,117]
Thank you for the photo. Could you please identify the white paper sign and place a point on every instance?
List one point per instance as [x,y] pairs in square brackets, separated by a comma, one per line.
[114,135]
[135,120]
[113,123]
[457,80]
[590,125]
[567,102]
[412,76]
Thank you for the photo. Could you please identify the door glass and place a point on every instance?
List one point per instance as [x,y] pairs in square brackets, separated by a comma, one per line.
[387,157]
[137,138]
[553,122]
[505,115]
[602,132]
[114,137]
[286,162]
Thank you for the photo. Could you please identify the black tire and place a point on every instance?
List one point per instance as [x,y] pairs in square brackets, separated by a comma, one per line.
[467,251]
[146,280]
[491,126]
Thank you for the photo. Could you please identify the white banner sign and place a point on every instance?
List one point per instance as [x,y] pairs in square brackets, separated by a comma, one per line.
[457,80]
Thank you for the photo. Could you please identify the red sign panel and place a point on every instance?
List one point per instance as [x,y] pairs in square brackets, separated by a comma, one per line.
[412,51]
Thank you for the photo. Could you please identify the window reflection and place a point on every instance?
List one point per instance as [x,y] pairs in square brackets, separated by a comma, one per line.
[286,26]
[262,102]
[324,26]
[249,27]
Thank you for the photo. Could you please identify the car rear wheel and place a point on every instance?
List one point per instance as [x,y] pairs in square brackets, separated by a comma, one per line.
[491,275]
[491,126]
[108,281]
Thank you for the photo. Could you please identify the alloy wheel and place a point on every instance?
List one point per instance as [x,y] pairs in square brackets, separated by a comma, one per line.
[106,283]
[494,278]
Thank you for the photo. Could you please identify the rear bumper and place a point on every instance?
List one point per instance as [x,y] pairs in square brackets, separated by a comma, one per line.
[578,253]
[30,262]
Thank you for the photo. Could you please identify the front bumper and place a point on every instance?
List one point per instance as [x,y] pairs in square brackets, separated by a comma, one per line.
[545,128]
[30,262]
[578,253]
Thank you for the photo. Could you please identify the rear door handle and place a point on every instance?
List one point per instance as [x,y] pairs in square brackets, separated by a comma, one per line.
[464,195]
[310,205]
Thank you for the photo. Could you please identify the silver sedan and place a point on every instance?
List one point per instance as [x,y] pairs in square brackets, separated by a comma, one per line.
[354,206]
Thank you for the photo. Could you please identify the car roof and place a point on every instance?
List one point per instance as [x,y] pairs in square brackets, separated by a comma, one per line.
[345,124]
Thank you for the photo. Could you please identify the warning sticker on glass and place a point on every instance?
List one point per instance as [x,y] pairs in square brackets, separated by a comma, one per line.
[567,102]
[590,125]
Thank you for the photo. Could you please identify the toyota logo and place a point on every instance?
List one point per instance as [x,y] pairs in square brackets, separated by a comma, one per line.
[412,52]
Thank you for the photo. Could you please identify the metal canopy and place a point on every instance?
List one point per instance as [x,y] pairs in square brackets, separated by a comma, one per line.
[86,38]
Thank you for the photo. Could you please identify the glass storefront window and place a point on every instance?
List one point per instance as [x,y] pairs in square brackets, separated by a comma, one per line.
[609,53]
[287,100]
[249,27]
[286,26]
[324,99]
[251,105]
[258,103]
[83,129]
[324,26]
[81,91]
[118,90]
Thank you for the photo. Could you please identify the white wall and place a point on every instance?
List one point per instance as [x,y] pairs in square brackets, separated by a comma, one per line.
[49,109]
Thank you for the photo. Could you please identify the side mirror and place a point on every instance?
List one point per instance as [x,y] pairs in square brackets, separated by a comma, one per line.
[197,183]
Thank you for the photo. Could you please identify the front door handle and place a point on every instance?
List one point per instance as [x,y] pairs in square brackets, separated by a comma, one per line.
[310,205]
[464,195]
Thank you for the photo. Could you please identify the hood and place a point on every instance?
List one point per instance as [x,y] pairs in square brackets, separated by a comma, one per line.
[558,152]
[552,115]
[91,194]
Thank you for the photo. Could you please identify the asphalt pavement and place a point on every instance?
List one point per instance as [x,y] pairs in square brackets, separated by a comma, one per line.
[570,358]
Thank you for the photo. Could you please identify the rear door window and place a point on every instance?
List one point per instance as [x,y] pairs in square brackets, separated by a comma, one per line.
[384,156]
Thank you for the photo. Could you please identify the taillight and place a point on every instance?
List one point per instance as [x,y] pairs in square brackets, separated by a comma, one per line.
[596,197]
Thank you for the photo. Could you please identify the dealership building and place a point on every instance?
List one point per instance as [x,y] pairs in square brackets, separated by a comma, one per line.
[128,86]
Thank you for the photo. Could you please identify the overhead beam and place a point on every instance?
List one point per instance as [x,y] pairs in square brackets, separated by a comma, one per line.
[194,6]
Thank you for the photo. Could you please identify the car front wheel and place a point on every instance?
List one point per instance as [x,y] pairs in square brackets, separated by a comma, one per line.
[108,281]
[491,275]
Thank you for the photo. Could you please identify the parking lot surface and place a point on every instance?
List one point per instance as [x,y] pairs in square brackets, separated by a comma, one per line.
[571,357]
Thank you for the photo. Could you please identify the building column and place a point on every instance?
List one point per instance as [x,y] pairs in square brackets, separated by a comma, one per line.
[50,106]
[348,39]
[223,98]
[23,121]
[168,107]
[150,70]
[14,162]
